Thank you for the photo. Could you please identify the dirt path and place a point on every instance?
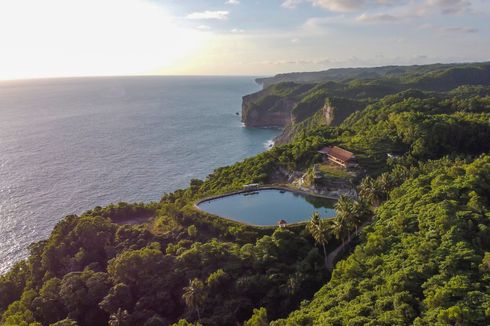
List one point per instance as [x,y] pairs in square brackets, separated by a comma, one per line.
[332,256]
[134,220]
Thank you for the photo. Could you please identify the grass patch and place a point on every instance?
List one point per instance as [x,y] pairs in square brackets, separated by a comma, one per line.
[333,170]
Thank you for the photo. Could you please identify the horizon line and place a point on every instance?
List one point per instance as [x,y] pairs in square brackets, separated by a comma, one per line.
[20,79]
[113,76]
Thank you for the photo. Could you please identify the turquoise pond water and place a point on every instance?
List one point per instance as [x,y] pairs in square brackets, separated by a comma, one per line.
[268,206]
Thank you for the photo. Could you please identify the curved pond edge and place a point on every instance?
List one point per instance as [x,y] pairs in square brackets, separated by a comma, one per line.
[263,187]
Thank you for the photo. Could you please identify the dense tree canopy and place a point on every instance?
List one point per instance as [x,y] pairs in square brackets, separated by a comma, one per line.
[424,260]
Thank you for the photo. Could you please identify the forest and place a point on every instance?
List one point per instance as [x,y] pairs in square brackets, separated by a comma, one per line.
[419,229]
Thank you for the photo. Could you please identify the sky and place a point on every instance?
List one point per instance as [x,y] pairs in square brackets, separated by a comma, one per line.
[57,38]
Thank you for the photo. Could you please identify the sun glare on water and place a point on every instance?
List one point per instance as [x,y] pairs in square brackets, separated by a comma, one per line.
[91,37]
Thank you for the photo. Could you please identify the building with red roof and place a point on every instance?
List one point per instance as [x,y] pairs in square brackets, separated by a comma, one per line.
[339,156]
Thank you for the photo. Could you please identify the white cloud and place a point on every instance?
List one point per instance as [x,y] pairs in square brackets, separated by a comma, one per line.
[295,40]
[232,2]
[203,27]
[388,10]
[291,4]
[426,26]
[422,7]
[460,29]
[376,18]
[354,5]
[450,6]
[320,24]
[208,14]
[431,7]
[237,30]
[450,29]
[339,5]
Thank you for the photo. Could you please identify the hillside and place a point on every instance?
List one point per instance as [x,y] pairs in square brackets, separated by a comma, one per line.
[296,104]
[422,258]
[424,261]
[343,74]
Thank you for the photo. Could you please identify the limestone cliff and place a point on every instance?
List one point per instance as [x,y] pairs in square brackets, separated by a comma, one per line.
[332,113]
[298,102]
[323,116]
[295,108]
[270,113]
[273,106]
[328,113]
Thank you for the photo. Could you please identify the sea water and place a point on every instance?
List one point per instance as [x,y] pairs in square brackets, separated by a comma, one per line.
[67,145]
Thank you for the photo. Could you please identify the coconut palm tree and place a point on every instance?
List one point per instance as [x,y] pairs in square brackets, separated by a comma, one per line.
[370,190]
[319,230]
[339,228]
[356,217]
[385,184]
[366,189]
[119,318]
[194,295]
[345,214]
[361,213]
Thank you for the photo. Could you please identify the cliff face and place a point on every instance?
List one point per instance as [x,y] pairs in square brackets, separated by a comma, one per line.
[323,116]
[328,113]
[270,111]
[280,105]
[296,108]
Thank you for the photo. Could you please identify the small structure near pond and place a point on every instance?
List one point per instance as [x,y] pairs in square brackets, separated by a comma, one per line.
[339,156]
[282,223]
[251,186]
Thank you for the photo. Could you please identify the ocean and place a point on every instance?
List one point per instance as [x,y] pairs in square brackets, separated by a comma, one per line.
[67,145]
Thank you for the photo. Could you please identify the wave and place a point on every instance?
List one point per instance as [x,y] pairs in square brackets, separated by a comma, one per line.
[269,144]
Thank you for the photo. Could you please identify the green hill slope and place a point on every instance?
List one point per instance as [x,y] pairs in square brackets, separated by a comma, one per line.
[425,259]
[297,106]
[343,74]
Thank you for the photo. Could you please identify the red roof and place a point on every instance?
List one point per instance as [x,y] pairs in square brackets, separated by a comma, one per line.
[337,152]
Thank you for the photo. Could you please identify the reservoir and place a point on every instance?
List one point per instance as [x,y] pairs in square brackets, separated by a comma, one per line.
[267,206]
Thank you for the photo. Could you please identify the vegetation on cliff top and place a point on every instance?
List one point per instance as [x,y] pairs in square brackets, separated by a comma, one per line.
[304,104]
[403,73]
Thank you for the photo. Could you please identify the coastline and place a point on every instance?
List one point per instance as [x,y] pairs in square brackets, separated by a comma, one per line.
[127,158]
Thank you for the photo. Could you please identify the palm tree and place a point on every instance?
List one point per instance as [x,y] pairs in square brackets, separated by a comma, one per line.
[194,295]
[318,229]
[356,217]
[366,189]
[370,190]
[345,213]
[119,318]
[385,184]
[339,228]
[361,213]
